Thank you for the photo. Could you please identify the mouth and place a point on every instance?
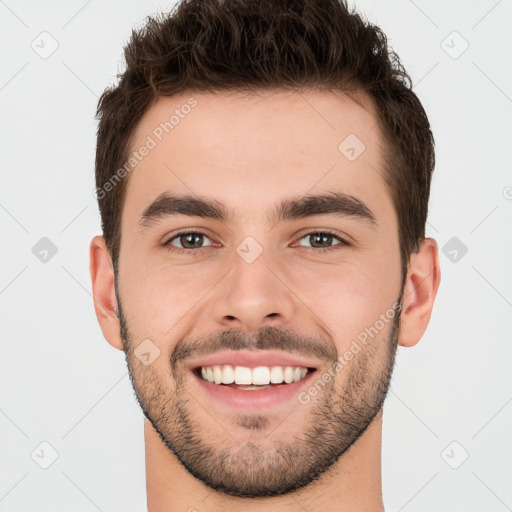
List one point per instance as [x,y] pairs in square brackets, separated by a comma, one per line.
[252,388]
[251,379]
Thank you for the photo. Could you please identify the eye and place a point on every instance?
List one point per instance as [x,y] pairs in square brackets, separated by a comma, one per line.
[187,241]
[190,242]
[321,241]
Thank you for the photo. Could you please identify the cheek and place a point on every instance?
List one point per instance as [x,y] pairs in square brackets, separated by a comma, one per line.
[157,297]
[350,298]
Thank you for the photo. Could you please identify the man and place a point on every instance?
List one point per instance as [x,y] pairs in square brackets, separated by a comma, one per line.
[263,173]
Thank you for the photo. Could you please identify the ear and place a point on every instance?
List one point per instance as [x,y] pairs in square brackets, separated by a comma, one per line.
[421,285]
[103,291]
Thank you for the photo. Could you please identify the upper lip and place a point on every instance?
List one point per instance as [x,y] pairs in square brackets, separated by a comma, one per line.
[253,359]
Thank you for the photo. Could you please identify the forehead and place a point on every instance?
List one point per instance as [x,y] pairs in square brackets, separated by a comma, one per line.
[254,149]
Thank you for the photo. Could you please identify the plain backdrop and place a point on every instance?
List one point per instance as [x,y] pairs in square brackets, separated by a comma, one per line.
[65,397]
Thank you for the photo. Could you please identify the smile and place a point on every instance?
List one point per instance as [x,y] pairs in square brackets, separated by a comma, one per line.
[252,378]
[244,394]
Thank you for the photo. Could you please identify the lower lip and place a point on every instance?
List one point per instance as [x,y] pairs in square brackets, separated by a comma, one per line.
[255,399]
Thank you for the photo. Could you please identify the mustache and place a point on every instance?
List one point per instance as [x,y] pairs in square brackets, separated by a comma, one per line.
[267,338]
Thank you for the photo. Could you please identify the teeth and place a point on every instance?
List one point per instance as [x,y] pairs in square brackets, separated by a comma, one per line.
[228,374]
[217,374]
[259,376]
[288,374]
[276,375]
[243,375]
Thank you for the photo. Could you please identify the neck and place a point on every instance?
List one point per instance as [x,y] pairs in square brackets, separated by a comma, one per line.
[352,484]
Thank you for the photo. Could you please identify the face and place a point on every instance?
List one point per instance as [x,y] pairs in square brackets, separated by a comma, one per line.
[284,253]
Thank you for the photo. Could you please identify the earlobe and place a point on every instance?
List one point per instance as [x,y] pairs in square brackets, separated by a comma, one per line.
[103,290]
[421,285]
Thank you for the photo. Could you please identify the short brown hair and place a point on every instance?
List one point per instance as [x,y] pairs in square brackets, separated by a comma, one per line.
[245,45]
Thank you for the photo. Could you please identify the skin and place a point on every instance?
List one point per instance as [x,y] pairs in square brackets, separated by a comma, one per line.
[249,152]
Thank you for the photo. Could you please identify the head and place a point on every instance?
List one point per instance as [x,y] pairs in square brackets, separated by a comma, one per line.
[263,174]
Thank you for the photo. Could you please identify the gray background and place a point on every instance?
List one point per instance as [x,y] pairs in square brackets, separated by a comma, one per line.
[62,384]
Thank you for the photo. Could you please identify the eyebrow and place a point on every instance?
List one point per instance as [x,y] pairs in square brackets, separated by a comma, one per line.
[333,203]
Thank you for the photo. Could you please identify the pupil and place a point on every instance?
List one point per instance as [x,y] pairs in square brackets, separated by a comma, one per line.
[186,237]
[321,238]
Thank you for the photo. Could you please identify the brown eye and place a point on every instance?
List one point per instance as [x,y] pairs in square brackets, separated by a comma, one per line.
[322,240]
[189,240]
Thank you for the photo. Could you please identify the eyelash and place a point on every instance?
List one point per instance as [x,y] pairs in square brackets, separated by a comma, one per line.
[172,248]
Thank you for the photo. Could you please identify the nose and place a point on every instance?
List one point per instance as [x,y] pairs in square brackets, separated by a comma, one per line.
[254,295]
